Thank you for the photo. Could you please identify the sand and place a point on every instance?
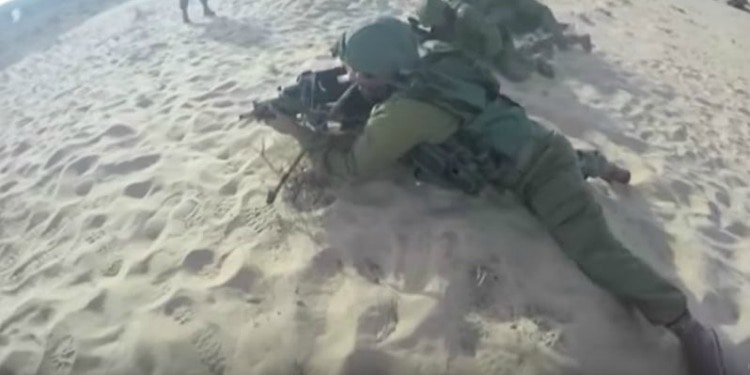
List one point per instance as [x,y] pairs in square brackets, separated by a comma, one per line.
[135,238]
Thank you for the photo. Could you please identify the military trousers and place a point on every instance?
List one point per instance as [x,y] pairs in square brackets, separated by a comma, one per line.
[552,187]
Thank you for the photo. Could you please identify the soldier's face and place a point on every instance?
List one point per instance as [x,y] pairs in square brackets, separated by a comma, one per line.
[374,88]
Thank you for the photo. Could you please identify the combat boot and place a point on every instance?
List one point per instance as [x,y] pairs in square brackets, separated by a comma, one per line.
[700,346]
[613,173]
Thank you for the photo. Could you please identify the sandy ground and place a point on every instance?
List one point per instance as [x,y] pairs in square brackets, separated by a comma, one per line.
[134,236]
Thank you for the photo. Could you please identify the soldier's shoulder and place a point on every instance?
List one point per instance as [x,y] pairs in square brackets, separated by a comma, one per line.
[402,107]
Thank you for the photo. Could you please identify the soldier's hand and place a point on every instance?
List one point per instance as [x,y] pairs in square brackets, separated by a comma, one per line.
[286,124]
[278,120]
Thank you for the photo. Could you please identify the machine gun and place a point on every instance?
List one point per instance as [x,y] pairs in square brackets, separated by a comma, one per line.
[317,99]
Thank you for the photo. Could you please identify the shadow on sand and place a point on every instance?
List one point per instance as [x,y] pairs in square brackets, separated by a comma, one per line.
[413,250]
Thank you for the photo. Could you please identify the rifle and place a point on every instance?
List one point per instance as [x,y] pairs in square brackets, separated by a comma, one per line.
[318,98]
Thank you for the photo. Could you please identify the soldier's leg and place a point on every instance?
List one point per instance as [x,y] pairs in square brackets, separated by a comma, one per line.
[739,4]
[536,15]
[556,193]
[184,9]
[544,67]
[206,9]
[514,67]
[594,165]
[510,61]
[583,40]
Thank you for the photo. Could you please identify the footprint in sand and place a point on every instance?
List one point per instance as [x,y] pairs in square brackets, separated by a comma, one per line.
[95,221]
[258,219]
[8,257]
[206,122]
[58,156]
[177,132]
[82,165]
[60,219]
[717,235]
[129,166]
[203,263]
[119,131]
[221,208]
[207,342]
[28,169]
[324,265]
[230,188]
[207,143]
[111,267]
[735,182]
[738,229]
[24,121]
[46,177]
[34,314]
[21,148]
[245,280]
[97,303]
[723,198]
[377,322]
[36,218]
[187,214]
[138,190]
[4,188]
[226,86]
[44,260]
[103,254]
[142,101]
[60,353]
[221,104]
[180,309]
[217,208]
[155,225]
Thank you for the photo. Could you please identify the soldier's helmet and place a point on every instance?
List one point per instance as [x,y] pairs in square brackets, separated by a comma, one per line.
[432,13]
[380,47]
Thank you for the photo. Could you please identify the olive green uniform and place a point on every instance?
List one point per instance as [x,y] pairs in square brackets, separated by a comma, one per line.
[445,99]
[484,30]
[444,116]
[520,16]
[465,26]
[551,185]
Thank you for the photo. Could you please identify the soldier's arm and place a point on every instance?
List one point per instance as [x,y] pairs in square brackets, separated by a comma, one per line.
[393,129]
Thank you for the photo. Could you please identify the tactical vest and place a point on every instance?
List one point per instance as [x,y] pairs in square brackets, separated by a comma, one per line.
[494,136]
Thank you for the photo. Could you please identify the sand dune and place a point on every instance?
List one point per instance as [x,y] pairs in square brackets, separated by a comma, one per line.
[135,238]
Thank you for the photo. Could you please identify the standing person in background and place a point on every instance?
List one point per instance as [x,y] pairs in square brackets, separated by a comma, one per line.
[184,7]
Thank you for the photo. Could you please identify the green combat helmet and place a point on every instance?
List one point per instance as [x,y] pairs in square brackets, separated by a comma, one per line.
[380,48]
[433,13]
